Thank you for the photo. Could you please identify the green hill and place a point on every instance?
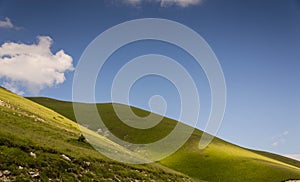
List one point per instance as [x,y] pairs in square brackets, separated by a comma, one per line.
[220,161]
[39,144]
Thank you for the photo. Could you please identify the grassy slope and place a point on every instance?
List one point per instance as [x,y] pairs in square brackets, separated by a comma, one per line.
[26,126]
[220,161]
[279,158]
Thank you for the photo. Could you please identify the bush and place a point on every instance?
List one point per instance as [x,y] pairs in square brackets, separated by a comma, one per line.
[81,138]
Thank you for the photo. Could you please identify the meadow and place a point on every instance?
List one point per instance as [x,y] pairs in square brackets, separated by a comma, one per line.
[220,161]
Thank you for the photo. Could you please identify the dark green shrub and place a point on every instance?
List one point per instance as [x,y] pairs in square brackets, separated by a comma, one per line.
[81,138]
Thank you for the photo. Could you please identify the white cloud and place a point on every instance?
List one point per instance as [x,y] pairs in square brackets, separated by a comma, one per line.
[32,67]
[279,139]
[133,2]
[285,133]
[12,88]
[275,144]
[182,3]
[6,23]
[166,3]
[293,156]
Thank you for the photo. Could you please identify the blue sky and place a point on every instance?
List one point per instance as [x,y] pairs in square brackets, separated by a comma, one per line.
[257,44]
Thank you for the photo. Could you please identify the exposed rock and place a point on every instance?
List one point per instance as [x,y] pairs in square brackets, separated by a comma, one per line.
[20,167]
[65,157]
[5,179]
[117,178]
[34,174]
[6,172]
[87,163]
[32,154]
[2,103]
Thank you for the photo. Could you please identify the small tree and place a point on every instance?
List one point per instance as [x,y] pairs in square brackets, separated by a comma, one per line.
[81,138]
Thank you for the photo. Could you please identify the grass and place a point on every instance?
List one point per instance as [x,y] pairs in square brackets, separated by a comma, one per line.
[220,161]
[29,127]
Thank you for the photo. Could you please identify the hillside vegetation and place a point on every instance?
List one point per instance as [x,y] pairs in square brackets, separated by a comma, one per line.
[220,161]
[39,144]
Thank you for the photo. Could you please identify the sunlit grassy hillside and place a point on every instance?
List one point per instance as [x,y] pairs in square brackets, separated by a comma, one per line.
[39,144]
[220,161]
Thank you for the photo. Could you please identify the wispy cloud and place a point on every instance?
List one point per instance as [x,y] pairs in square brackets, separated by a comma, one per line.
[279,139]
[293,156]
[12,87]
[32,66]
[6,23]
[165,3]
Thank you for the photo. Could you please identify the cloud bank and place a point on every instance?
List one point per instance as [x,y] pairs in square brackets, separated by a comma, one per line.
[166,3]
[293,156]
[32,67]
[6,23]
